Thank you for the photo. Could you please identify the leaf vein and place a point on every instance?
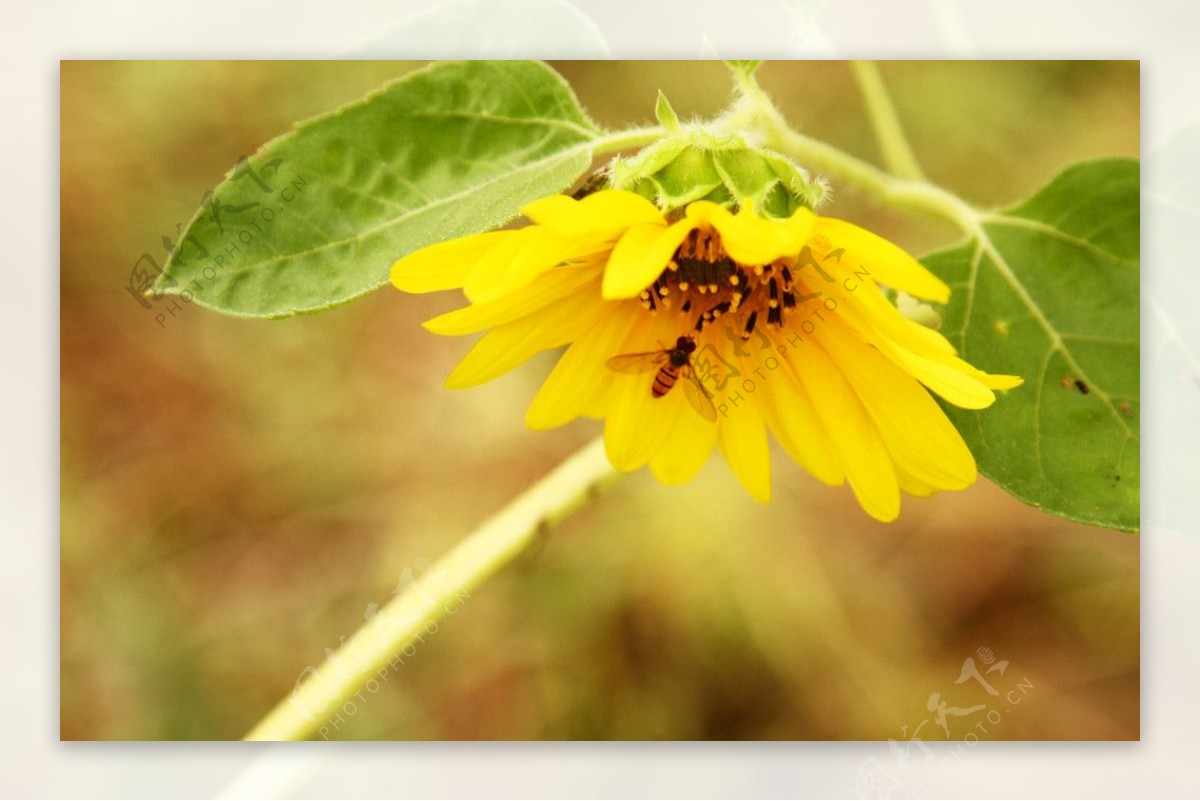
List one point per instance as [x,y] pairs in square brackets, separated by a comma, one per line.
[1006,272]
[1049,230]
[449,199]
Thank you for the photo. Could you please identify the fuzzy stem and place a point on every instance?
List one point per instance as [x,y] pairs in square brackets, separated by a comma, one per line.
[917,194]
[627,140]
[897,153]
[435,594]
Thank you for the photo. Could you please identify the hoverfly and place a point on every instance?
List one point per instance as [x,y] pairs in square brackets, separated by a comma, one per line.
[671,363]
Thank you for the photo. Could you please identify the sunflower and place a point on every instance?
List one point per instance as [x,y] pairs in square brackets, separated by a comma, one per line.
[766,322]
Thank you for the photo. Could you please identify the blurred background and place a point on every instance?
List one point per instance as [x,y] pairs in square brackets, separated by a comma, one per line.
[237,495]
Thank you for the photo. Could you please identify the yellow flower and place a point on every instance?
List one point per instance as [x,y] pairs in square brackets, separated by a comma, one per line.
[767,323]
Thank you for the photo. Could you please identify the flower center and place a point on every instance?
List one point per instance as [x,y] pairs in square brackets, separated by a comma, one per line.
[703,281]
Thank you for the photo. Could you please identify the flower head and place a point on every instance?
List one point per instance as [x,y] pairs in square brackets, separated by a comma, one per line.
[766,322]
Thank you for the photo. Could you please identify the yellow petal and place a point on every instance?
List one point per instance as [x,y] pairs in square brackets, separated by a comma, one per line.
[914,486]
[444,265]
[791,416]
[855,438]
[582,373]
[637,422]
[798,229]
[535,251]
[511,344]
[948,376]
[751,239]
[547,288]
[639,257]
[597,407]
[600,211]
[992,381]
[887,263]
[742,437]
[487,272]
[685,449]
[914,428]
[1002,381]
[874,316]
[922,352]
[546,210]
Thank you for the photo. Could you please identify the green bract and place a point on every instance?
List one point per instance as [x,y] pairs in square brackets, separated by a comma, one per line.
[697,164]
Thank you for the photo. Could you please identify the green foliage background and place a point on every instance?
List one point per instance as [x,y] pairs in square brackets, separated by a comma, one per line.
[236,493]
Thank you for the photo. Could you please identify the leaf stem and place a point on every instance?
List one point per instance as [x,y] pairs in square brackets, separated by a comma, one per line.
[897,152]
[369,654]
[918,195]
[913,193]
[627,139]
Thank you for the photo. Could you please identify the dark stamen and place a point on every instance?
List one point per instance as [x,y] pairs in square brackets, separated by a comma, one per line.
[750,325]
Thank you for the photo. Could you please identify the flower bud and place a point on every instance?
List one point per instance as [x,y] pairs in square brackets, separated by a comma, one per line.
[689,165]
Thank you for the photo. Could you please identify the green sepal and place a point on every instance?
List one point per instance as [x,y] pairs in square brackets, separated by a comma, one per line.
[698,165]
[665,114]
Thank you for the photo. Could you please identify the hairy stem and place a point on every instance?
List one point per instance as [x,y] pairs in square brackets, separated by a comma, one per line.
[916,194]
[368,655]
[625,140]
[897,153]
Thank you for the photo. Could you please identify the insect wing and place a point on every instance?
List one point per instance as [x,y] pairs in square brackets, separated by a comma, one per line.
[638,362]
[699,397]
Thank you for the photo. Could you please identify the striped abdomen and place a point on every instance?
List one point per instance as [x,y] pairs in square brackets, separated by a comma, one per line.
[667,375]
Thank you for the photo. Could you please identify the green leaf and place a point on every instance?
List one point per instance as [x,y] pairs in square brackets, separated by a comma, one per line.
[447,151]
[1049,292]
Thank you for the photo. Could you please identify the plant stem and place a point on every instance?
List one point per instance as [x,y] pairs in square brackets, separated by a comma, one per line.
[918,195]
[369,654]
[625,140]
[912,193]
[897,153]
